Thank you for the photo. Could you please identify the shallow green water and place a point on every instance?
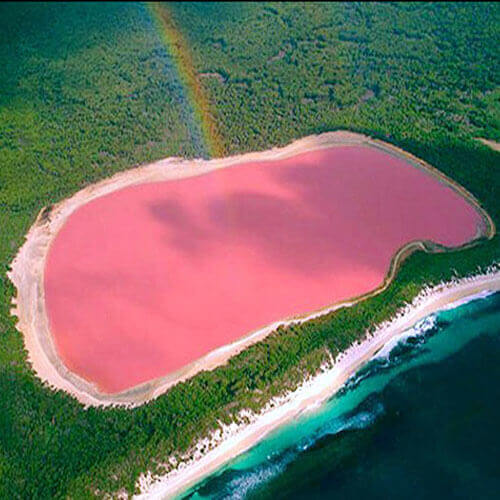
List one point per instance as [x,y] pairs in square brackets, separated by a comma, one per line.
[419,421]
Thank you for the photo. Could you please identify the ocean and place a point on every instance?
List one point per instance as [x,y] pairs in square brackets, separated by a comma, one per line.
[420,420]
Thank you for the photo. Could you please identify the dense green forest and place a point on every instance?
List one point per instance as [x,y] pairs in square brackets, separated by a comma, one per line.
[90,89]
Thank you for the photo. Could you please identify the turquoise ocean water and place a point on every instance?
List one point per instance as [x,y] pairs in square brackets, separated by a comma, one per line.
[419,421]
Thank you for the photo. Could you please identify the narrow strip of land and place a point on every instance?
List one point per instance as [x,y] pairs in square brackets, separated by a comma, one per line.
[312,392]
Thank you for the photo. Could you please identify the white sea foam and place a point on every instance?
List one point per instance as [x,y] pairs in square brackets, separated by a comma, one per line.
[421,328]
[364,418]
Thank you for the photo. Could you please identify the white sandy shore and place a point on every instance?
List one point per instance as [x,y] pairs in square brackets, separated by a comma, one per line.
[230,441]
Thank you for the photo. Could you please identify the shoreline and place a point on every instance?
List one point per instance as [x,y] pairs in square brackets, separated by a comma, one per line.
[27,272]
[235,439]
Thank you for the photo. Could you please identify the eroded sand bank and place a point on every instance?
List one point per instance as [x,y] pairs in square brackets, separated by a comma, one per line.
[28,267]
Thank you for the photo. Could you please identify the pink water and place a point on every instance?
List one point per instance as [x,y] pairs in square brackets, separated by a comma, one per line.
[144,280]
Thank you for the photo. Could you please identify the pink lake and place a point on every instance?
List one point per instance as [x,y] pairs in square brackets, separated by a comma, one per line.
[142,281]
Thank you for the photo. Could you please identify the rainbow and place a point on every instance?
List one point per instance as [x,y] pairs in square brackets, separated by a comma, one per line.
[179,51]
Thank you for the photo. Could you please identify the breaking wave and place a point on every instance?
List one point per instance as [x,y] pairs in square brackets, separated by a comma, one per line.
[398,350]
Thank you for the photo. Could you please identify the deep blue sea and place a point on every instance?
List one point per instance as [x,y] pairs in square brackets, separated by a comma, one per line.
[419,421]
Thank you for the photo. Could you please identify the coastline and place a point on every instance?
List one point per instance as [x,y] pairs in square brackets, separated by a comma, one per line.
[224,445]
[27,272]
